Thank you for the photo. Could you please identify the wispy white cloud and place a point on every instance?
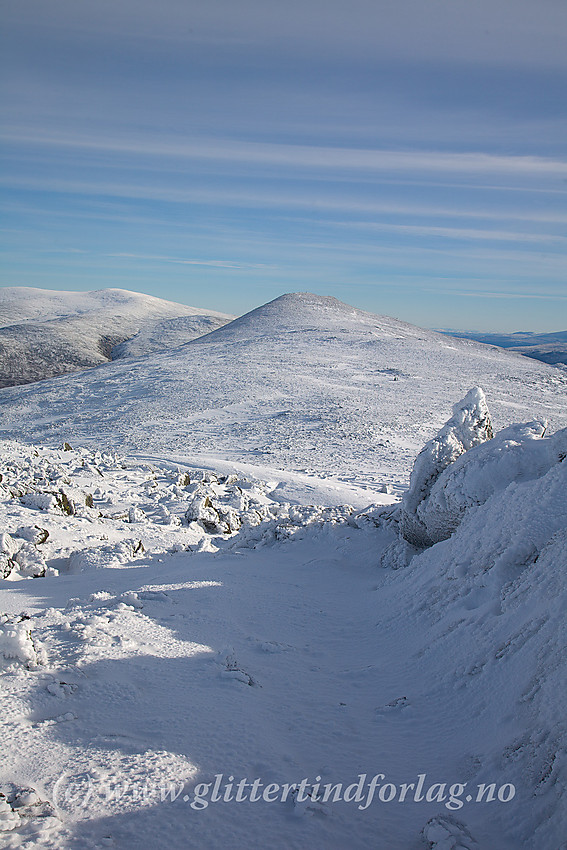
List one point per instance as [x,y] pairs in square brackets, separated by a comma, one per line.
[280,200]
[461,233]
[512,293]
[184,261]
[306,156]
[340,205]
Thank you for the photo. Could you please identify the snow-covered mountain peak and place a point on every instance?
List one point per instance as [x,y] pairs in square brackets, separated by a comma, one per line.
[28,304]
[314,314]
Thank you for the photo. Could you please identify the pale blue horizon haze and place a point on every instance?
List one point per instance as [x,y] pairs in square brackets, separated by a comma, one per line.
[407,158]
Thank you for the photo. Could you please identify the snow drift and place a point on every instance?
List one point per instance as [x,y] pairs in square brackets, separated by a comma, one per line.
[494,573]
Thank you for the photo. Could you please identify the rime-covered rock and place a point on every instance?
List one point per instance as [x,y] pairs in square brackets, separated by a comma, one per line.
[468,427]
[16,642]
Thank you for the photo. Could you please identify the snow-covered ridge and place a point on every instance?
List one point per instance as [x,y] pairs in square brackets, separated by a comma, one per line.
[44,334]
[550,348]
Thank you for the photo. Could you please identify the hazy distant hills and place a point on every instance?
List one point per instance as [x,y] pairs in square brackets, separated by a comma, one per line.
[549,348]
[44,333]
[304,383]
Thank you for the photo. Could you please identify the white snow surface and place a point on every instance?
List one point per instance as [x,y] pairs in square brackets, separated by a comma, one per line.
[166,334]
[45,333]
[213,598]
[190,628]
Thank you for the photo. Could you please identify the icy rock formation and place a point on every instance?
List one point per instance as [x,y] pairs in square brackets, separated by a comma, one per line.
[469,426]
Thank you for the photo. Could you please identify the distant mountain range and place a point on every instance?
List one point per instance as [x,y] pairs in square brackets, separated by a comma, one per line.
[549,348]
[45,333]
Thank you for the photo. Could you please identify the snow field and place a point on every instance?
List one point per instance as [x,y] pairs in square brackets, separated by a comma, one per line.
[279,649]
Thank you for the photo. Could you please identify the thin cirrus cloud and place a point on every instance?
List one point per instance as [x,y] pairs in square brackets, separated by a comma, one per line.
[280,201]
[351,145]
[184,261]
[310,156]
[506,31]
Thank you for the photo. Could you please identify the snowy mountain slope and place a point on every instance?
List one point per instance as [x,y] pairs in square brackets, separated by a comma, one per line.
[280,652]
[552,353]
[44,334]
[167,334]
[303,383]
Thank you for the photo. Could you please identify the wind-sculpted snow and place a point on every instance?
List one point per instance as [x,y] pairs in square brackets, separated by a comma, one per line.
[517,453]
[502,578]
[464,466]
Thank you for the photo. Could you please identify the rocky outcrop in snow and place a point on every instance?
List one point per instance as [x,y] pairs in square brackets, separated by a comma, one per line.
[516,454]
[74,510]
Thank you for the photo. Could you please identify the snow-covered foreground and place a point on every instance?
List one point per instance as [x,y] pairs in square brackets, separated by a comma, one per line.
[253,641]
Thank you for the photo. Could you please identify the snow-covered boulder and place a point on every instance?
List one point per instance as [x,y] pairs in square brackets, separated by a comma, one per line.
[30,561]
[469,426]
[17,644]
[463,467]
[8,548]
[9,819]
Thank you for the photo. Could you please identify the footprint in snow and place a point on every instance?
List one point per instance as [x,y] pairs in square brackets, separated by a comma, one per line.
[231,670]
[309,804]
[61,718]
[271,646]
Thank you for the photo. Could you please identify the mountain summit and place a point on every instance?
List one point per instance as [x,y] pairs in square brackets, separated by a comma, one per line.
[305,312]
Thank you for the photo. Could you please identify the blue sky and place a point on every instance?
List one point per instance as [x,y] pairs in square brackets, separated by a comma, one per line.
[406,157]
